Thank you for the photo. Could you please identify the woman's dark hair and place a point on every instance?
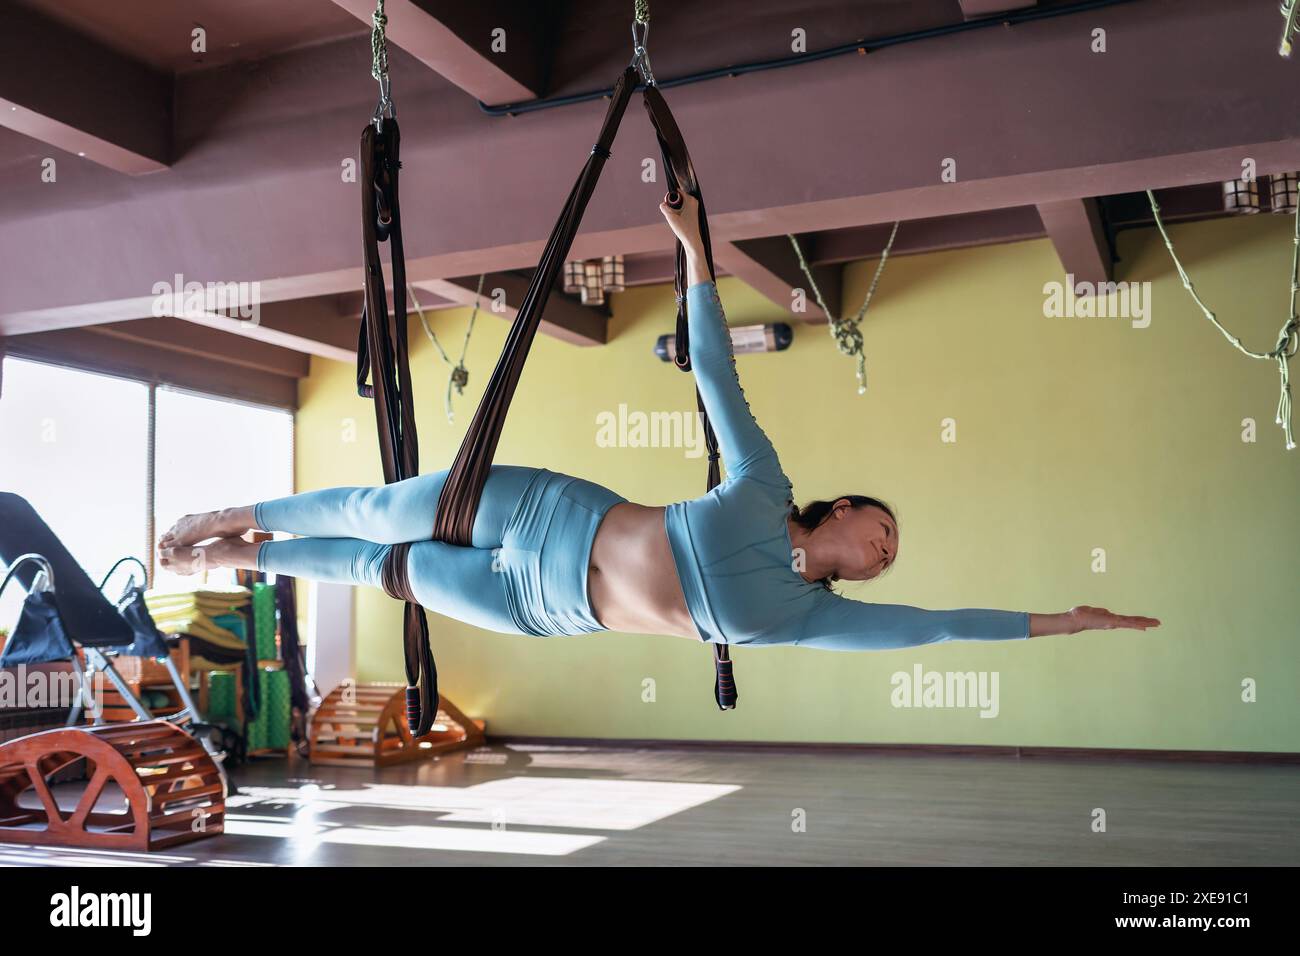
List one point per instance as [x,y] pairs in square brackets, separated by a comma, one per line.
[811,515]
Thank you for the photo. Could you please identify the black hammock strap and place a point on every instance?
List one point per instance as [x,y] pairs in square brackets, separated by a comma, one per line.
[458,504]
[382,357]
[681,178]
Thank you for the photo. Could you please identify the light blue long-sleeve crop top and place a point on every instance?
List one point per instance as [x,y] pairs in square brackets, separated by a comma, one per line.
[733,550]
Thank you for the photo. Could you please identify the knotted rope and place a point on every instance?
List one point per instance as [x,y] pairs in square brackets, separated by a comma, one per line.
[458,378]
[379,64]
[379,42]
[847,333]
[1288,342]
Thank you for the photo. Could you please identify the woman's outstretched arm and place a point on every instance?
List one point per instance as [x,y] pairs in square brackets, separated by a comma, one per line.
[841,624]
[746,449]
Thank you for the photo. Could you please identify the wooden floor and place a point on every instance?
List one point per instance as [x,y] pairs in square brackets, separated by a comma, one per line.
[600,805]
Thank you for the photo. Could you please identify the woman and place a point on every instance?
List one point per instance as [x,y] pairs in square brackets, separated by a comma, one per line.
[553,554]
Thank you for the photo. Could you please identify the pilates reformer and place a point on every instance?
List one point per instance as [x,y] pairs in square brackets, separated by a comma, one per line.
[65,612]
[383,366]
[170,777]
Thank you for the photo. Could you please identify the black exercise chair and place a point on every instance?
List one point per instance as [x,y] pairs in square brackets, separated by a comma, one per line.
[64,611]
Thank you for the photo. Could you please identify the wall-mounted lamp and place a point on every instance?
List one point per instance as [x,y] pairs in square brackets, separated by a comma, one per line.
[1241,196]
[594,278]
[1283,190]
[773,337]
[611,273]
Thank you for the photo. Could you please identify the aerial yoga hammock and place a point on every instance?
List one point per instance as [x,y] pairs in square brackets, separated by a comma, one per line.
[383,368]
[748,565]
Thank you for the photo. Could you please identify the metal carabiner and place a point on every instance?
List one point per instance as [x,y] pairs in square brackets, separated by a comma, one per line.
[640,57]
[385,105]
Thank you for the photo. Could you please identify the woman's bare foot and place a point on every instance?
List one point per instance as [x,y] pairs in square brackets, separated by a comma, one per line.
[191,529]
[222,553]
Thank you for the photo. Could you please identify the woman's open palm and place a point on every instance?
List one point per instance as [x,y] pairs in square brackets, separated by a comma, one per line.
[1100,619]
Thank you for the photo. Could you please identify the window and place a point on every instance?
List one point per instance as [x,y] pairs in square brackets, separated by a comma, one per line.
[211,454]
[75,444]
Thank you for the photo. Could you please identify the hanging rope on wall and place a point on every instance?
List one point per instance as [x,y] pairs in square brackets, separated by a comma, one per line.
[847,333]
[458,378]
[1288,342]
[1290,26]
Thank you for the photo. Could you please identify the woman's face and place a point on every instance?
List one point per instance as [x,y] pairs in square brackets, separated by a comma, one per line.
[866,538]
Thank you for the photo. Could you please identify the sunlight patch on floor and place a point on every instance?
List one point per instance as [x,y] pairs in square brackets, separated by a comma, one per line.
[519,801]
[465,839]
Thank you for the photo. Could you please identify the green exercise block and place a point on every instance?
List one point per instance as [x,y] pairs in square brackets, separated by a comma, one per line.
[264,621]
[271,728]
[221,697]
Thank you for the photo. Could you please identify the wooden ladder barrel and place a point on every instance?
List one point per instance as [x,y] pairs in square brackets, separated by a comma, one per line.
[172,790]
[364,725]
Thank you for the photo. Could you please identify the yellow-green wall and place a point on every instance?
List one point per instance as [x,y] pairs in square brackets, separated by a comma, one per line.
[1072,434]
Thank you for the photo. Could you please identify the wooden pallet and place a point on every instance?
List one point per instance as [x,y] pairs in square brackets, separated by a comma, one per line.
[172,791]
[364,725]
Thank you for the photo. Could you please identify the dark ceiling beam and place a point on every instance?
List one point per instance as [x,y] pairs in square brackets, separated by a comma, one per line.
[1075,228]
[915,237]
[349,304]
[777,272]
[481,194]
[770,267]
[313,326]
[1133,210]
[565,318]
[651,268]
[918,236]
[68,91]
[308,326]
[978,9]
[88,350]
[454,39]
[188,338]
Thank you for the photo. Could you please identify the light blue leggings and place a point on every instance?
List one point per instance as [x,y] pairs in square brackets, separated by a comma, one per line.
[525,574]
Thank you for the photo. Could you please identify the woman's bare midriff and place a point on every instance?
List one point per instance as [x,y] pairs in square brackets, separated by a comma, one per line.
[632,578]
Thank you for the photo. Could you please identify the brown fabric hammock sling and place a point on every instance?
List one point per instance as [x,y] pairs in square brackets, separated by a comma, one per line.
[382,358]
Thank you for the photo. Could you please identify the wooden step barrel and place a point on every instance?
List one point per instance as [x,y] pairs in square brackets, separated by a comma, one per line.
[172,791]
[364,725]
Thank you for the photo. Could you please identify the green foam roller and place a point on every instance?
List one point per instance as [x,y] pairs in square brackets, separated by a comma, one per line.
[264,621]
[221,697]
[277,709]
[271,728]
[256,731]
